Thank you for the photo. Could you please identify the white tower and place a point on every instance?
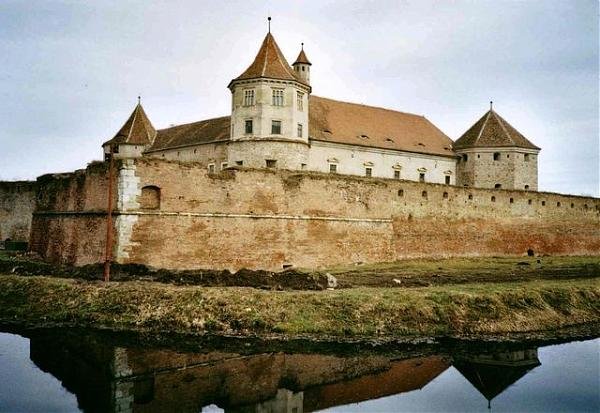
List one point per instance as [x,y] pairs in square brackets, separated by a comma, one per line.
[269,115]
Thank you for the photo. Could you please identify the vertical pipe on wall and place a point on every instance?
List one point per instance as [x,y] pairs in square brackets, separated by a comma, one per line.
[109,208]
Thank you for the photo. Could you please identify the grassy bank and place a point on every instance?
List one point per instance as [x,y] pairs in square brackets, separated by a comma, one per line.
[447,310]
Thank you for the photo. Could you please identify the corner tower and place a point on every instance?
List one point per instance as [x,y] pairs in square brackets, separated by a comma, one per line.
[493,154]
[302,66]
[135,136]
[269,113]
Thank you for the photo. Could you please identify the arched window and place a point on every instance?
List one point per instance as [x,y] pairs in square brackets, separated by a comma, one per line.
[150,198]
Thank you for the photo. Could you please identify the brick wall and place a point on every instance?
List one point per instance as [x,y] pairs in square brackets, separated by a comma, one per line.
[268,219]
[17,202]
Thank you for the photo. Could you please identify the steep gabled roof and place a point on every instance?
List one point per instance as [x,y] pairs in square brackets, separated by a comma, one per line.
[204,131]
[138,129]
[302,58]
[269,63]
[351,123]
[492,131]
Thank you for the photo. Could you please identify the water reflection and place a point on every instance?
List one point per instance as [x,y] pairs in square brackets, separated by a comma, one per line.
[117,378]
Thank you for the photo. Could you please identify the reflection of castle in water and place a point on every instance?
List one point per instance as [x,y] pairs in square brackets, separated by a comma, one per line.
[491,374]
[118,379]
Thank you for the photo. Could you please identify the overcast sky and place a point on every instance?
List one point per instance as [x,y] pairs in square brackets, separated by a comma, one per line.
[71,70]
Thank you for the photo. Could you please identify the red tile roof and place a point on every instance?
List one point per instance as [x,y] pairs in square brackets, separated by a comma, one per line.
[269,63]
[204,131]
[351,123]
[302,58]
[492,131]
[332,121]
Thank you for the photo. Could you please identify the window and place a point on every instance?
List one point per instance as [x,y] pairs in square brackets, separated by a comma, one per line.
[543,203]
[223,165]
[150,198]
[396,174]
[529,202]
[248,126]
[368,171]
[572,205]
[424,194]
[400,192]
[558,204]
[299,130]
[303,166]
[465,157]
[271,163]
[332,168]
[496,156]
[493,199]
[511,200]
[277,97]
[421,177]
[447,179]
[211,168]
[526,157]
[445,195]
[526,187]
[470,196]
[239,163]
[498,186]
[276,127]
[249,97]
[300,101]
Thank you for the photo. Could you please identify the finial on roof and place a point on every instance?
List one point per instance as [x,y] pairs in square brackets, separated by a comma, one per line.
[139,99]
[269,20]
[491,104]
[302,46]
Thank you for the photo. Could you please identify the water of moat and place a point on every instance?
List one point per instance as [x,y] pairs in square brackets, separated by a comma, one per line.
[78,370]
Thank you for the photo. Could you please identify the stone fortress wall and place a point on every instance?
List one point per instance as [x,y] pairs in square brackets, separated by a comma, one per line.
[17,203]
[176,215]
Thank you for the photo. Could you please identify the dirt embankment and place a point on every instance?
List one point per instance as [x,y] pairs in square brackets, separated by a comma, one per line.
[400,274]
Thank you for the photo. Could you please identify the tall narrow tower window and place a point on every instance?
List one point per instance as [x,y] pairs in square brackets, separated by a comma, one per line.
[276,127]
[300,100]
[277,97]
[248,127]
[249,97]
[299,130]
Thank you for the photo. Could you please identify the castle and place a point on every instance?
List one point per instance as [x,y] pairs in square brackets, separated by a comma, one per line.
[276,122]
[294,180]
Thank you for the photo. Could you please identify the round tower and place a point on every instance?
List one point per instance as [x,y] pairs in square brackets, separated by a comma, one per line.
[302,66]
[269,113]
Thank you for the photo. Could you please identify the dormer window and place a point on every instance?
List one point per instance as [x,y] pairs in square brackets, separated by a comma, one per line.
[277,97]
[249,97]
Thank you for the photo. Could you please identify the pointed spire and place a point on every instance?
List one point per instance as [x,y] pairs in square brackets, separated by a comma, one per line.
[302,59]
[269,63]
[137,130]
[491,130]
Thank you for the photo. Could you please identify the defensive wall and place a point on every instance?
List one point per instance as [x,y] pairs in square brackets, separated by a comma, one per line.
[178,216]
[17,203]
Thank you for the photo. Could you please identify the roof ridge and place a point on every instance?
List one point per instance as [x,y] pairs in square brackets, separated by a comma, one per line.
[487,117]
[135,112]
[195,122]
[500,121]
[369,106]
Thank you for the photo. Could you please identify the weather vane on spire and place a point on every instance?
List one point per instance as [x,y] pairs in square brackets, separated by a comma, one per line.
[269,19]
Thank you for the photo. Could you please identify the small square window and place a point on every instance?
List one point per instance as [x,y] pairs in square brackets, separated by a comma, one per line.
[223,165]
[396,174]
[299,130]
[239,163]
[211,168]
[496,156]
[248,126]
[271,163]
[276,127]
[332,168]
[368,171]
[526,157]
[421,177]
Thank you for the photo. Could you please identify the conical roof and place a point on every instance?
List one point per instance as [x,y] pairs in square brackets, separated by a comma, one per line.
[302,58]
[137,130]
[492,131]
[269,63]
